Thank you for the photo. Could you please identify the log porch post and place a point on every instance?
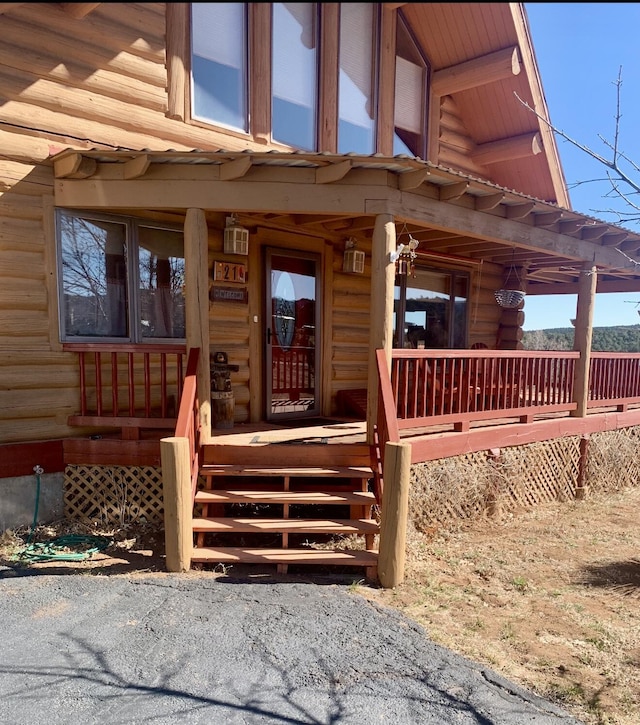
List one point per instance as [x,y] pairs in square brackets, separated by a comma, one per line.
[383,272]
[583,336]
[175,460]
[196,264]
[394,514]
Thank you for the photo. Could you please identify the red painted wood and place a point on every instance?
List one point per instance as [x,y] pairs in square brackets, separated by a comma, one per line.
[19,459]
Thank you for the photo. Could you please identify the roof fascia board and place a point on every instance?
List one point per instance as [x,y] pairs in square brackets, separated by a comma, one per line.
[302,197]
[521,24]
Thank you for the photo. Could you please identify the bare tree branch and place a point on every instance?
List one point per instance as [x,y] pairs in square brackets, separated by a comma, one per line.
[616,175]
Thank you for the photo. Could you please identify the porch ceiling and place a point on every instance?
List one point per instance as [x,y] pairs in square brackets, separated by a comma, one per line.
[450,213]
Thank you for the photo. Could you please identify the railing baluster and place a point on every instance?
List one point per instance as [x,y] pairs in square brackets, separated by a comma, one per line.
[83,384]
[163,384]
[147,383]
[132,384]
[98,379]
[114,383]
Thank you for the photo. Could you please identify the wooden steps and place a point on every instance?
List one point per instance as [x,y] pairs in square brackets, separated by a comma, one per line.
[287,526]
[322,498]
[267,503]
[240,555]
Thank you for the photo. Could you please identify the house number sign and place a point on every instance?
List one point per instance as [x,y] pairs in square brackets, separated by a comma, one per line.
[229,272]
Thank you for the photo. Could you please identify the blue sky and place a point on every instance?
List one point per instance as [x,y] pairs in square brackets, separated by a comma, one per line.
[580,48]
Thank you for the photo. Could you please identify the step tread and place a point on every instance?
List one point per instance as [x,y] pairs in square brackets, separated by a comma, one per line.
[302,526]
[333,557]
[364,498]
[223,469]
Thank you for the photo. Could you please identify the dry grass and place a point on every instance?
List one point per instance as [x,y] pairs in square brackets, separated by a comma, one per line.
[549,597]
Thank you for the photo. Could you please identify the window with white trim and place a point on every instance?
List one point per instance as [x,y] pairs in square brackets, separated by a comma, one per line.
[120,279]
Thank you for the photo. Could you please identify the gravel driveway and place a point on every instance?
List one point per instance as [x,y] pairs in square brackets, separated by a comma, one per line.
[165,648]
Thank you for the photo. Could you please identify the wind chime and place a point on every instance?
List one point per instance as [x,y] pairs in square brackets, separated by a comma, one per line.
[405,254]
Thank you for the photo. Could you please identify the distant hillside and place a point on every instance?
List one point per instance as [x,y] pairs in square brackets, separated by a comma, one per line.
[625,338]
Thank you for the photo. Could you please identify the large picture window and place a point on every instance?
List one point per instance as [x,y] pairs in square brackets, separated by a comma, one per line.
[430,309]
[219,63]
[120,279]
[295,74]
[357,79]
[411,95]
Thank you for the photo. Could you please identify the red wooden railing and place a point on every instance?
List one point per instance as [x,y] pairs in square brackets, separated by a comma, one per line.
[462,386]
[133,386]
[614,379]
[293,370]
[188,423]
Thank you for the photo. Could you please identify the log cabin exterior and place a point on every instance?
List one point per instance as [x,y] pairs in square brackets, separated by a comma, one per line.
[248,181]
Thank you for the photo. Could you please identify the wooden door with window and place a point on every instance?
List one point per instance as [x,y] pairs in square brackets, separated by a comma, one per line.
[292,334]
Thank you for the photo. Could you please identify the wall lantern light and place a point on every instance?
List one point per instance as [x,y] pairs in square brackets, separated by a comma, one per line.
[353,262]
[236,237]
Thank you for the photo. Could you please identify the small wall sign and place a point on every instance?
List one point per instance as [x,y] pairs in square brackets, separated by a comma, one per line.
[228,294]
[229,272]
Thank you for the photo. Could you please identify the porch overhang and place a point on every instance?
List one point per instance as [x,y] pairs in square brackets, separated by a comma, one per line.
[457,214]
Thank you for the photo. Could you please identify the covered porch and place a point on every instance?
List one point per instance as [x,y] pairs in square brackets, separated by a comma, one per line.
[423,402]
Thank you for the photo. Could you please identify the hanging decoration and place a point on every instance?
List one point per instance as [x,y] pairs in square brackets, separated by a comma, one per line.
[512,294]
[405,254]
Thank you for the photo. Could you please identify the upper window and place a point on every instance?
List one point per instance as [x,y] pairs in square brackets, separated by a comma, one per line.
[294,67]
[430,309]
[411,95]
[357,81]
[219,63]
[121,279]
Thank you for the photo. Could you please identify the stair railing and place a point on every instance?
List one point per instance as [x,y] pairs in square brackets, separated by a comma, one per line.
[188,423]
[386,428]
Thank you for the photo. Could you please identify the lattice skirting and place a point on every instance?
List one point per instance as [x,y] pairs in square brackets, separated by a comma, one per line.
[452,491]
[113,495]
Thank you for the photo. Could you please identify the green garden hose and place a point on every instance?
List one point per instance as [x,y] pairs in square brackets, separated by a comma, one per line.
[71,547]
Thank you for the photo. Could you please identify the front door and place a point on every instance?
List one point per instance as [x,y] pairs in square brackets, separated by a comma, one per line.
[292,334]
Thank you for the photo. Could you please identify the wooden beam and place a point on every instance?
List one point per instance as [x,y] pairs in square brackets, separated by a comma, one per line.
[614,239]
[508,149]
[548,219]
[594,231]
[332,172]
[612,286]
[491,201]
[383,274]
[520,211]
[74,166]
[136,167]
[493,228]
[79,10]
[476,72]
[235,169]
[412,179]
[295,193]
[571,226]
[453,191]
[196,237]
[583,336]
[177,50]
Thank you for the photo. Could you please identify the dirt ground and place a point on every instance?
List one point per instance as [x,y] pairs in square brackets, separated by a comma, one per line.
[550,598]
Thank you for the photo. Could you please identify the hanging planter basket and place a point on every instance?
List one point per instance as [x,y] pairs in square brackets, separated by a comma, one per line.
[509,298]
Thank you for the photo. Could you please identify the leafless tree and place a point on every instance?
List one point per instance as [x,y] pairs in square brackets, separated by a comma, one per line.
[622,172]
